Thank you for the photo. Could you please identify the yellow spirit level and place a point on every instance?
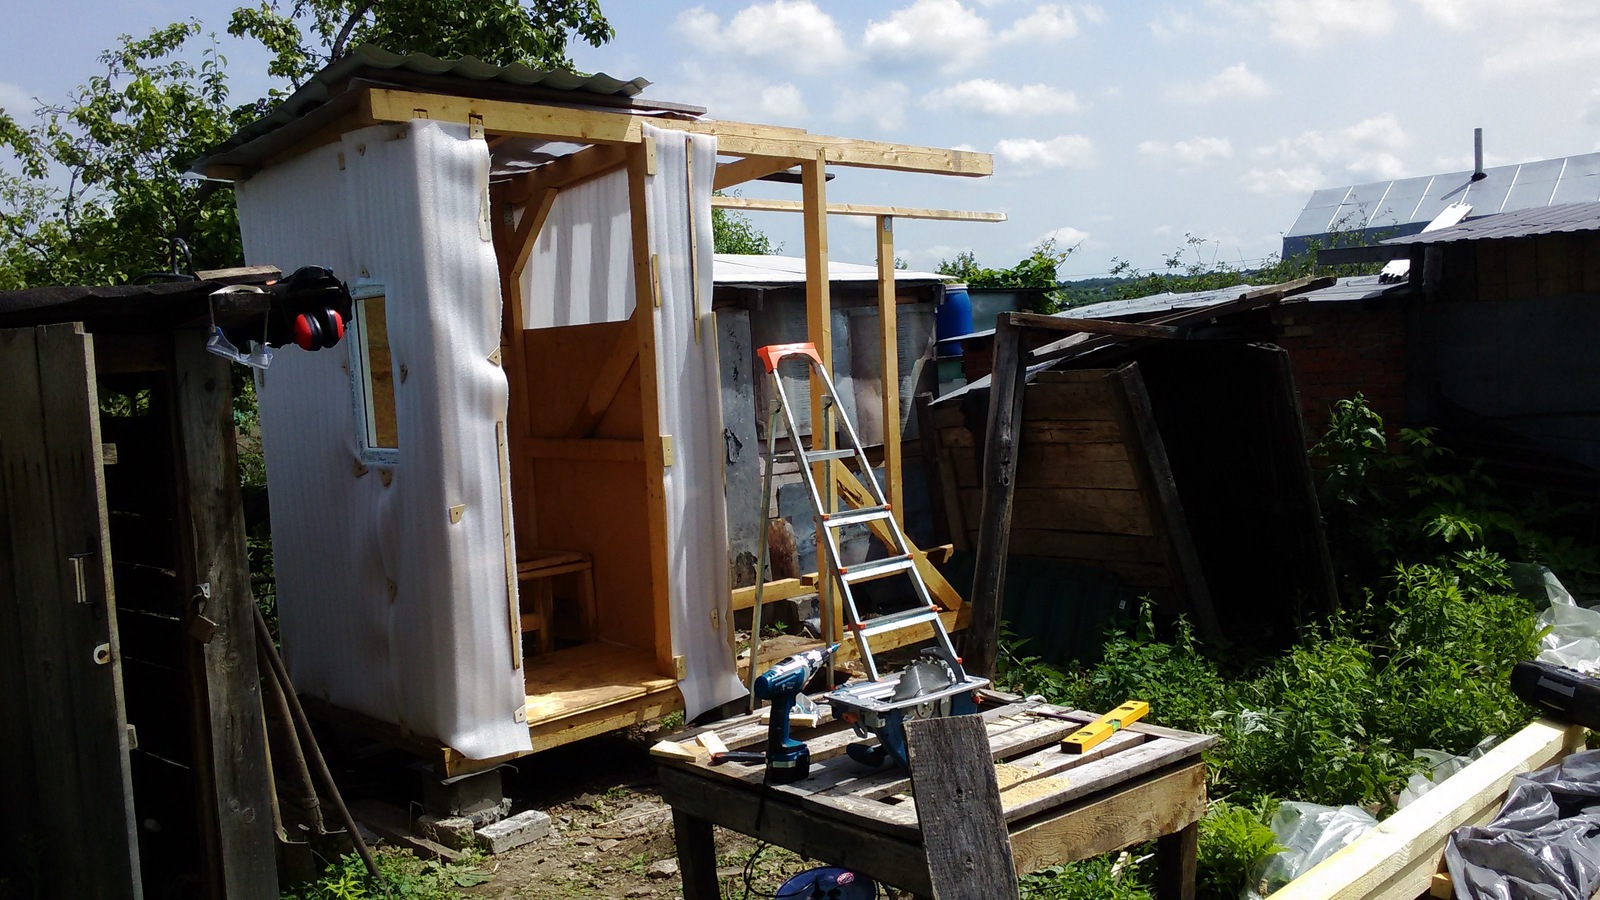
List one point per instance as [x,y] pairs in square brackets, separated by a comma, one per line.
[1090,735]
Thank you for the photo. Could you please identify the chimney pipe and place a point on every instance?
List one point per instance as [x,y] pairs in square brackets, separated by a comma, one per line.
[1477,155]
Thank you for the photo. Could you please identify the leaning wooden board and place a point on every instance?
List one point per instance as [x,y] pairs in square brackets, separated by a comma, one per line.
[1036,777]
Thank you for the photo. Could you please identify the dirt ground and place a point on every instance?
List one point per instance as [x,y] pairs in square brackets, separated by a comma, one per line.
[611,834]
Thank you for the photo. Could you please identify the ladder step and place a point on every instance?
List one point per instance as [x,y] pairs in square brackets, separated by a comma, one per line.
[821,455]
[895,621]
[877,568]
[855,516]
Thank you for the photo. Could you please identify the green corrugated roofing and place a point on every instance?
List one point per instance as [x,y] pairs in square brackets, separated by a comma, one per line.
[374,61]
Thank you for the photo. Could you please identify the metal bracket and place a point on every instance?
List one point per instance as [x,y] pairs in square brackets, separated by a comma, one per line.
[80,581]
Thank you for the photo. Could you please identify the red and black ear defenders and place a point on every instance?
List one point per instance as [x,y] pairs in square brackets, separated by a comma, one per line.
[310,309]
[318,329]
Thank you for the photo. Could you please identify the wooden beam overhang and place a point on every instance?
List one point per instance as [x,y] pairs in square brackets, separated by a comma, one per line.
[855,209]
[504,117]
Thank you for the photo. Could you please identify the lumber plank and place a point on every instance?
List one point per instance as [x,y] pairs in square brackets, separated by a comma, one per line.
[1044,432]
[1160,492]
[1002,439]
[571,170]
[889,376]
[749,168]
[212,552]
[819,331]
[763,204]
[642,333]
[1097,326]
[527,234]
[504,117]
[1157,806]
[958,810]
[889,859]
[1071,509]
[64,748]
[614,449]
[697,856]
[624,355]
[1398,858]
[855,494]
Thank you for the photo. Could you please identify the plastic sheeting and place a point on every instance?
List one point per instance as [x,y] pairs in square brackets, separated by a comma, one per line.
[581,268]
[690,388]
[1544,844]
[387,607]
[1311,833]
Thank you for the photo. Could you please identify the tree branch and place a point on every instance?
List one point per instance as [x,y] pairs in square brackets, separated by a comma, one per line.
[344,33]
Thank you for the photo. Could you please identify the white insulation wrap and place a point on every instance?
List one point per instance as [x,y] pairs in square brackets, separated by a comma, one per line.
[387,607]
[581,269]
[686,366]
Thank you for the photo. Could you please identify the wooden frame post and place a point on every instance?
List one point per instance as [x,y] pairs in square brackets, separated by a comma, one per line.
[819,330]
[655,462]
[1001,441]
[889,387]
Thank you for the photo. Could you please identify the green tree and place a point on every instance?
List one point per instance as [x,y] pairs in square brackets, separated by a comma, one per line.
[1039,269]
[93,192]
[308,34]
[733,232]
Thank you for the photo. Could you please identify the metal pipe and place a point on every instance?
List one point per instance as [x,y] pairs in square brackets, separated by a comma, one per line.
[306,794]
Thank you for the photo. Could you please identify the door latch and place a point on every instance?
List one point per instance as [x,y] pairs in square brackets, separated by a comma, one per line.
[201,628]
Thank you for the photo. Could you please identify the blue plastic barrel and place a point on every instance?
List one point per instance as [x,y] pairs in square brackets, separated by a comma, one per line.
[954,317]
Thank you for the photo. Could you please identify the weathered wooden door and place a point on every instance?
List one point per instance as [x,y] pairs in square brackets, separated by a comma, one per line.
[66,813]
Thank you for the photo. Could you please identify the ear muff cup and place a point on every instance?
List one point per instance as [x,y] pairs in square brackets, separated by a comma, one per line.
[318,329]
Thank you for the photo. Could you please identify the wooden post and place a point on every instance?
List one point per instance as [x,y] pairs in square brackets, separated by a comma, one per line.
[958,809]
[213,560]
[697,856]
[64,746]
[1176,858]
[1000,445]
[889,333]
[655,463]
[819,330]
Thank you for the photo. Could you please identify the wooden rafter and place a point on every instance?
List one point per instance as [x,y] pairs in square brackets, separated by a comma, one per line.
[749,168]
[571,170]
[889,368]
[506,117]
[854,209]
[527,234]
[613,372]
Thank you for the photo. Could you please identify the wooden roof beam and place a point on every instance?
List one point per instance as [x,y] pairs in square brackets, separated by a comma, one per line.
[749,168]
[598,127]
[569,171]
[854,209]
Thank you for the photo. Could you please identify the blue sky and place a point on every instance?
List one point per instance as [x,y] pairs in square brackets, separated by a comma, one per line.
[1117,128]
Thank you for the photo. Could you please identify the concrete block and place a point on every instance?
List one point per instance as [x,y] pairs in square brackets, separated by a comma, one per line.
[452,831]
[480,796]
[522,828]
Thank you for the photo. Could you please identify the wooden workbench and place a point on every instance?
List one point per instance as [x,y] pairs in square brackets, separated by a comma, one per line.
[1145,783]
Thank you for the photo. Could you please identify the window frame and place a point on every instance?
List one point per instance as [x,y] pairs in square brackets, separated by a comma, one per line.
[361,379]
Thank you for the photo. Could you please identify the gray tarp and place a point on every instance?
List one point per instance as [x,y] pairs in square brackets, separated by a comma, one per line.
[1544,844]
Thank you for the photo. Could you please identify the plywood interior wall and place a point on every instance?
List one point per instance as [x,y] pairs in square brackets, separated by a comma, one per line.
[594,505]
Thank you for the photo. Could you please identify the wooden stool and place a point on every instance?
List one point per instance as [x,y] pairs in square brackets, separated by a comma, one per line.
[541,567]
[1144,783]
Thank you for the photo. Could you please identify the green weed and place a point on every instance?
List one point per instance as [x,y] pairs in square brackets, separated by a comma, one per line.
[404,876]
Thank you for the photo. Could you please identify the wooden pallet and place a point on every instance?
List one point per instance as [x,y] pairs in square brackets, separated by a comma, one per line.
[1142,783]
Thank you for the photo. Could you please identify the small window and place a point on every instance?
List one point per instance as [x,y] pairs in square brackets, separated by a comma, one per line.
[372,369]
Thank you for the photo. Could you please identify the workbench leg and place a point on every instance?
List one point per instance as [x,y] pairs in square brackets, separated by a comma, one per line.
[1175,863]
[697,857]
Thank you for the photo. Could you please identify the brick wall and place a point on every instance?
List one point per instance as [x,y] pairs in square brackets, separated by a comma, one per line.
[1340,349]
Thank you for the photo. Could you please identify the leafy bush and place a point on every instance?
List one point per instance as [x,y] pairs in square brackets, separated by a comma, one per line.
[404,875]
[1100,878]
[1233,839]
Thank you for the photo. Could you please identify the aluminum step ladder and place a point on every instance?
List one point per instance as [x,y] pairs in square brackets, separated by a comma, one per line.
[900,562]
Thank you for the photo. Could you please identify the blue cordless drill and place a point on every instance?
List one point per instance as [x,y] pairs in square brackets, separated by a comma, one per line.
[787,759]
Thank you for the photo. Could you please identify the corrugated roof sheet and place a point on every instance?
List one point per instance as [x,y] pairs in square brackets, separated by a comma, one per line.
[746,270]
[1403,206]
[1562,218]
[366,59]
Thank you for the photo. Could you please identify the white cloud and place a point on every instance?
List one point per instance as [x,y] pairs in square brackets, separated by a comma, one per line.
[1369,150]
[942,30]
[1066,237]
[746,98]
[1093,14]
[1069,151]
[1187,155]
[1304,23]
[1049,22]
[884,105]
[17,102]
[795,33]
[995,98]
[1236,82]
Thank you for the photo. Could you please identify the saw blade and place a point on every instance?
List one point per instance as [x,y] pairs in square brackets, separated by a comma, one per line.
[925,676]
